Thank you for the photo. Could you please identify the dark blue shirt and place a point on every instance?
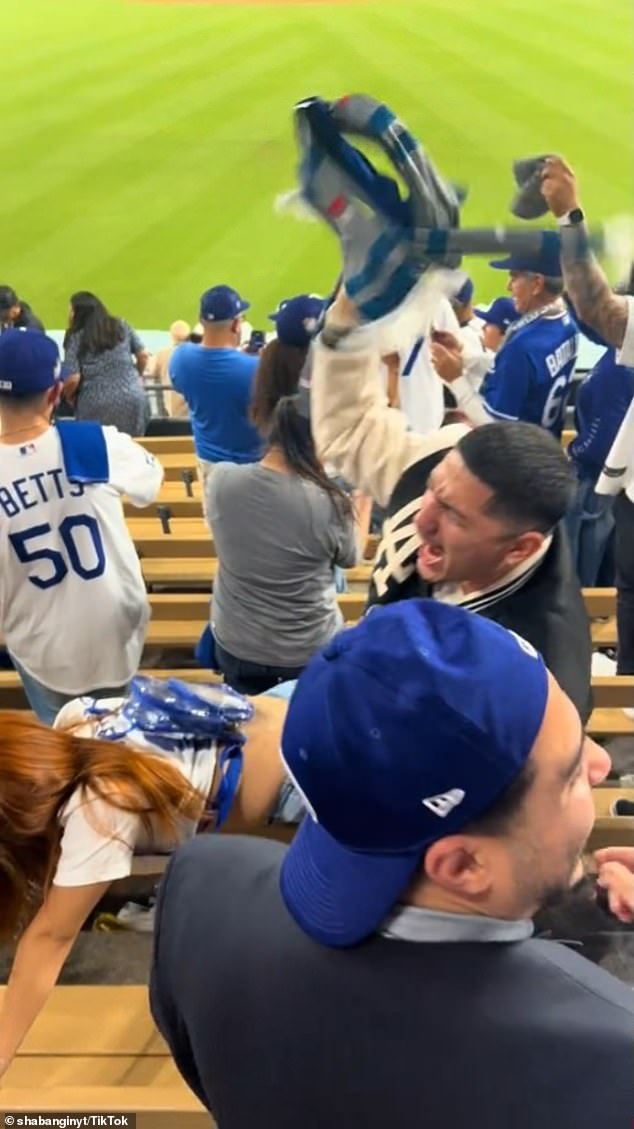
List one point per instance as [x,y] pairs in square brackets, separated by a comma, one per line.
[216,384]
[532,372]
[602,401]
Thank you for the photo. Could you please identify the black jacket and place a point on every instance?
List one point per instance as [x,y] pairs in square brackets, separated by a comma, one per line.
[273,1031]
[546,607]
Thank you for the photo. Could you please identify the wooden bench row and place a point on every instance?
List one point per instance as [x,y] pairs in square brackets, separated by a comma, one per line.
[163,445]
[96,1049]
[188,537]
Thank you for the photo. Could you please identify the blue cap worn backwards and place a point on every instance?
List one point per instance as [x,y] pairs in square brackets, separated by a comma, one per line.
[402,731]
[297,319]
[29,362]
[221,303]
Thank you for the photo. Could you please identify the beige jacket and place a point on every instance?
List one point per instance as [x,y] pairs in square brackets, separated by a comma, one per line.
[355,431]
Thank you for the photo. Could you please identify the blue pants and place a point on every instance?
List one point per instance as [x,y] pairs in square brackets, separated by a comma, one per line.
[47,703]
[590,521]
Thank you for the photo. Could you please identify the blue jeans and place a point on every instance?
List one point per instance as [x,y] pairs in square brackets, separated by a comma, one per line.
[589,521]
[47,703]
[250,677]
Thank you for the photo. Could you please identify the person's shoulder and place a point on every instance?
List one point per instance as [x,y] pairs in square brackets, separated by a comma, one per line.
[244,362]
[585,985]
[186,352]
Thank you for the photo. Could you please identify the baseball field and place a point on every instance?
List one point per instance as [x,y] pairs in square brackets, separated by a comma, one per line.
[143,142]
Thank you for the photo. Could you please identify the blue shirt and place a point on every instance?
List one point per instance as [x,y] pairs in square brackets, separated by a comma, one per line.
[532,372]
[216,384]
[602,401]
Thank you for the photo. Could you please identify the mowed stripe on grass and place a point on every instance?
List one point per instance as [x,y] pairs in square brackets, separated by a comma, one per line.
[146,144]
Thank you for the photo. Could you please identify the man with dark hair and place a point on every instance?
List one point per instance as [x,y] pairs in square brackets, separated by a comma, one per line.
[533,368]
[15,313]
[381,972]
[486,533]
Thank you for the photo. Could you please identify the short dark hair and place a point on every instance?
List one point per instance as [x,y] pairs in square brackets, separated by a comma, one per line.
[526,469]
[22,400]
[505,809]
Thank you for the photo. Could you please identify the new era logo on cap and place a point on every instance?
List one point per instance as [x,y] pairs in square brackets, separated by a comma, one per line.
[405,729]
[444,803]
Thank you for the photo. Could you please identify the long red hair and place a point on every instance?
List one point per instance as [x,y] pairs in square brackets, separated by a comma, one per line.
[40,769]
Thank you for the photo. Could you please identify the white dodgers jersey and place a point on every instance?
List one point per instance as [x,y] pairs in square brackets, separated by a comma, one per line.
[73,605]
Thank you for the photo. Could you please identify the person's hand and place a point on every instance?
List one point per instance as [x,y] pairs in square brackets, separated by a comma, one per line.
[618,882]
[446,355]
[559,186]
[624,855]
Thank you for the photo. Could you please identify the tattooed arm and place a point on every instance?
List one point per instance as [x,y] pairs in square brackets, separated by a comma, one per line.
[588,288]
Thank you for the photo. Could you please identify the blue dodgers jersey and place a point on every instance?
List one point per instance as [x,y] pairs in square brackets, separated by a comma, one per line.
[216,384]
[532,372]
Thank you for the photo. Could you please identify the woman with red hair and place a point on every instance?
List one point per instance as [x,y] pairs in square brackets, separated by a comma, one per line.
[75,809]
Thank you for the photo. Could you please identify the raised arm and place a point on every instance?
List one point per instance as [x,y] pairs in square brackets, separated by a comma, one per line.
[610,314]
[354,429]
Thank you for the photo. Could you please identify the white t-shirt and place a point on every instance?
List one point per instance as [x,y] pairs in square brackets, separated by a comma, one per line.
[420,388]
[99,840]
[618,473]
[73,604]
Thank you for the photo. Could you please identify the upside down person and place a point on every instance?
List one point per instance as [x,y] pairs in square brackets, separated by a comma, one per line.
[74,809]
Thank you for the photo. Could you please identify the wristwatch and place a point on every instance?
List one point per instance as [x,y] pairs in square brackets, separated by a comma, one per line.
[572,218]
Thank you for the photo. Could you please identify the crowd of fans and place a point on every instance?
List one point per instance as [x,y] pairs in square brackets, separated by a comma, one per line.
[438,747]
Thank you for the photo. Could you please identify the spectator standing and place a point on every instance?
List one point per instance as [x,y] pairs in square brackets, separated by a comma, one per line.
[73,604]
[158,370]
[612,317]
[216,378]
[533,368]
[104,359]
[16,313]
[381,971]
[600,408]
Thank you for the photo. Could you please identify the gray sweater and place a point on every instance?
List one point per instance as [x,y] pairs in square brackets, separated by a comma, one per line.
[278,538]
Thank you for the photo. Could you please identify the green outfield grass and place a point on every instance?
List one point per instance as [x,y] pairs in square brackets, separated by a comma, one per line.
[142,145]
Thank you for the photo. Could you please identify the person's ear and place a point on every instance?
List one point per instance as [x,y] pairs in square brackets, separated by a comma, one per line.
[460,865]
[54,395]
[523,547]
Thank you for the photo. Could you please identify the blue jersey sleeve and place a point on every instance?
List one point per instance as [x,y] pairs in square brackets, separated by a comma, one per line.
[505,388]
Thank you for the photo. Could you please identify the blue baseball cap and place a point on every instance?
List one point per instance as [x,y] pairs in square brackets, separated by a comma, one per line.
[501,312]
[463,296]
[545,261]
[222,303]
[29,362]
[297,319]
[402,731]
